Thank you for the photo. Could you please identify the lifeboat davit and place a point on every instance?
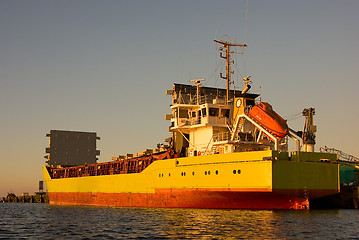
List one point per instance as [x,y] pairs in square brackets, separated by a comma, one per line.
[263,113]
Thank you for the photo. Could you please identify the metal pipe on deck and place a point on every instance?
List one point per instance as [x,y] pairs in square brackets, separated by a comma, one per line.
[296,140]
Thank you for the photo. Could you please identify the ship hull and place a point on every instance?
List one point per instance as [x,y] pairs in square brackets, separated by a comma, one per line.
[214,199]
[253,180]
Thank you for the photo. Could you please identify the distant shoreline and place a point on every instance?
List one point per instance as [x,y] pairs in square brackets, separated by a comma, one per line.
[38,197]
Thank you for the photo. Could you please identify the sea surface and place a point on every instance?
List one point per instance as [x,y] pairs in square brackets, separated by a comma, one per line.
[44,221]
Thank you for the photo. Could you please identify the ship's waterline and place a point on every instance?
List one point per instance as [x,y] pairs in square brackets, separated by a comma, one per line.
[214,181]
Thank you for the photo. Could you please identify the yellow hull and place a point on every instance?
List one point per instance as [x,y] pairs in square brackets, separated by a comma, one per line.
[232,180]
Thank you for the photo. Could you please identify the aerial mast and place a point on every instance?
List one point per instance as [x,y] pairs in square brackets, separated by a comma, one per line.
[198,83]
[226,47]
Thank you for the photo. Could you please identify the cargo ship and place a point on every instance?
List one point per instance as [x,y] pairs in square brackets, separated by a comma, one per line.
[226,149]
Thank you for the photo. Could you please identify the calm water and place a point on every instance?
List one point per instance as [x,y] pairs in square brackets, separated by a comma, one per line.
[42,221]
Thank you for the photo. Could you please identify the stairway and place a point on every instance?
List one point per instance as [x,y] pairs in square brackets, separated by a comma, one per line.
[342,156]
[238,127]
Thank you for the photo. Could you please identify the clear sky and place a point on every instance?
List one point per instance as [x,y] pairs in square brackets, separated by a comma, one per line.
[104,66]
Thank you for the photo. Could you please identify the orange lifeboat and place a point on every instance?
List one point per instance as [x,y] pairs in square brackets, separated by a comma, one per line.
[263,113]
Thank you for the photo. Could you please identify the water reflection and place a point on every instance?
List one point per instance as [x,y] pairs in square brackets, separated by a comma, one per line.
[198,223]
[60,222]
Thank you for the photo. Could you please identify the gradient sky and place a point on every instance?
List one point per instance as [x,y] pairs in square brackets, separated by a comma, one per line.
[104,66]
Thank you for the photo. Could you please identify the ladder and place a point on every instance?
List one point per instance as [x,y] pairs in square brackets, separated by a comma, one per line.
[342,156]
[238,127]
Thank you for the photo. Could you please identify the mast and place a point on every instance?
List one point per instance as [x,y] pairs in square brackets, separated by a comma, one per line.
[309,130]
[198,83]
[226,46]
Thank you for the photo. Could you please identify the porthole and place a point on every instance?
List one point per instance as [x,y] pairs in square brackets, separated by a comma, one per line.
[216,172]
[159,175]
[182,174]
[209,172]
[234,171]
[239,171]
[169,174]
[205,172]
[192,173]
[162,174]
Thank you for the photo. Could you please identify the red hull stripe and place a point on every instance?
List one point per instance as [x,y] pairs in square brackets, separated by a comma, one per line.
[184,199]
[181,190]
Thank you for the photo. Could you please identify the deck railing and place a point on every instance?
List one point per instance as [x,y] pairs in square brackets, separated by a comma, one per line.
[124,166]
[223,136]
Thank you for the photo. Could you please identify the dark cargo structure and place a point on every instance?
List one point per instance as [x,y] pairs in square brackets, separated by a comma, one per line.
[71,148]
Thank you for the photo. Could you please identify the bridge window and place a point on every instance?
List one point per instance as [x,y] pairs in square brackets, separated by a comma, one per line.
[213,112]
[204,112]
[250,102]
[225,113]
[183,113]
